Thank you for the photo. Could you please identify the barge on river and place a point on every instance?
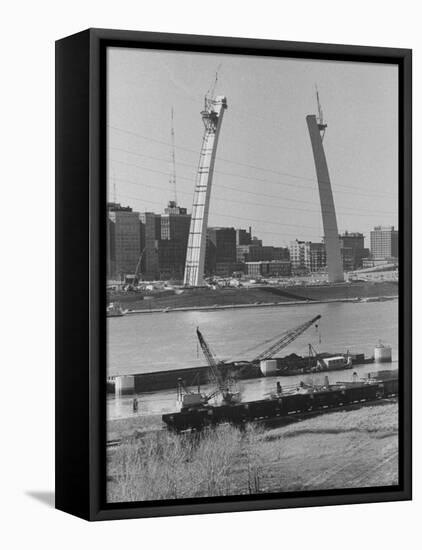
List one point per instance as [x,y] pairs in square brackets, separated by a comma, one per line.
[377,386]
[266,363]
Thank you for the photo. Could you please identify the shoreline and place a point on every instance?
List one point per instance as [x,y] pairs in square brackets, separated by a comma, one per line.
[218,307]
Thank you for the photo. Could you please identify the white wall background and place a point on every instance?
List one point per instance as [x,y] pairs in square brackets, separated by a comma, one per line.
[29,30]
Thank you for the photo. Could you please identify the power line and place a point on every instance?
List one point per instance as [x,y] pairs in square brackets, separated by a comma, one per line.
[241,190]
[260,168]
[222,215]
[227,200]
[223,199]
[254,179]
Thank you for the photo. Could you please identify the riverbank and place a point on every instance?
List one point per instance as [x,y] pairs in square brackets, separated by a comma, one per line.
[357,448]
[207,299]
[255,305]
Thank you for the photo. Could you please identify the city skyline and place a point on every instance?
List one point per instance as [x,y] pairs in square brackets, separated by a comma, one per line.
[154,245]
[256,234]
[264,174]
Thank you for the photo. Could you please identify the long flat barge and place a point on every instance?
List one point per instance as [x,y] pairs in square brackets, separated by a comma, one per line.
[239,370]
[323,399]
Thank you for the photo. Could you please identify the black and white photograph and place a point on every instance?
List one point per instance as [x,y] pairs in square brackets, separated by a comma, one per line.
[252,275]
[208,270]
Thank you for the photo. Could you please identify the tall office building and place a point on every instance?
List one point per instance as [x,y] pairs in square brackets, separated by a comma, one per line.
[124,241]
[175,223]
[174,234]
[220,256]
[353,250]
[243,237]
[150,232]
[384,242]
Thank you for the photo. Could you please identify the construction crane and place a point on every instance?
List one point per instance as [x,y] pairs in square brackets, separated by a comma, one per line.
[285,339]
[209,96]
[173,158]
[320,119]
[190,399]
[313,353]
[138,267]
[221,385]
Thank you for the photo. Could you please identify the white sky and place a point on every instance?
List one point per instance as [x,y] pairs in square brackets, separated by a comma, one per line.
[264,128]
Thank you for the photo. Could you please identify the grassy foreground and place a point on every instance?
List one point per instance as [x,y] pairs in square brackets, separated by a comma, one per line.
[345,449]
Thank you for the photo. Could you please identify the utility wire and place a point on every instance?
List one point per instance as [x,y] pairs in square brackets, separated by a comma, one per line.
[278,233]
[241,176]
[235,201]
[241,190]
[231,161]
[226,200]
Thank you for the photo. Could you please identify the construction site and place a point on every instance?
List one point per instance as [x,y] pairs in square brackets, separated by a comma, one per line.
[335,270]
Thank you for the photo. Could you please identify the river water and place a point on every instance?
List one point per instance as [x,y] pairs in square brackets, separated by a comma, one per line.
[162,341]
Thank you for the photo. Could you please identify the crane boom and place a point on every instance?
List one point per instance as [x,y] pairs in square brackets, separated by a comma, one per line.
[320,113]
[285,339]
[138,266]
[320,119]
[212,361]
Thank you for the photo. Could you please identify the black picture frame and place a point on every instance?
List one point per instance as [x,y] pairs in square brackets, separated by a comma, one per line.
[80,271]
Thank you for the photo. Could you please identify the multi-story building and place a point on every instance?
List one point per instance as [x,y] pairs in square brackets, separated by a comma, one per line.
[317,257]
[257,253]
[352,240]
[174,234]
[160,241]
[124,241]
[175,222]
[220,256]
[306,256]
[171,258]
[311,257]
[243,251]
[273,268]
[117,207]
[384,242]
[281,253]
[253,253]
[348,258]
[150,233]
[298,255]
[353,250]
[243,237]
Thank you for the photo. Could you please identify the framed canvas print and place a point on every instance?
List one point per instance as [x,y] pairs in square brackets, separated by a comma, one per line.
[233,274]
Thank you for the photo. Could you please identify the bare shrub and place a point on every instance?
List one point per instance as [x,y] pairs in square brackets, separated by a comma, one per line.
[166,466]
